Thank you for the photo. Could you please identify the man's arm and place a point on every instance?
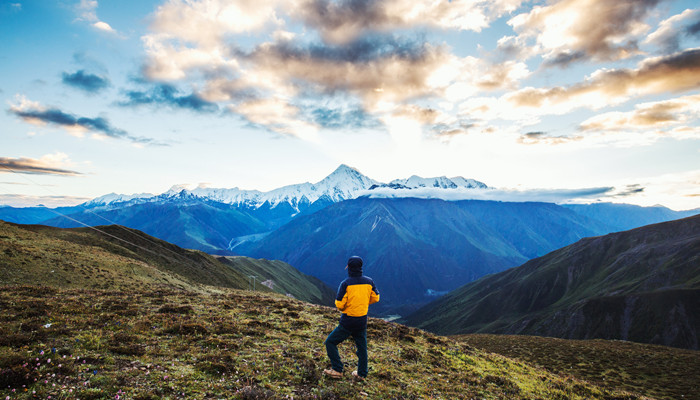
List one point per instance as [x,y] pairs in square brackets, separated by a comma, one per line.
[341,299]
[373,295]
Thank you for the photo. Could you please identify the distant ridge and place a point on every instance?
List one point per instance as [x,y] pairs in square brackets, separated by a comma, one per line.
[640,285]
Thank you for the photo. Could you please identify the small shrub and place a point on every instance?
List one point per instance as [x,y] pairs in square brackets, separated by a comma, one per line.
[186,329]
[173,309]
[16,371]
[410,354]
[254,393]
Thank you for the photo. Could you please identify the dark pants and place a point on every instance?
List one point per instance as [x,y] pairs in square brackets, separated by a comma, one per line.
[336,337]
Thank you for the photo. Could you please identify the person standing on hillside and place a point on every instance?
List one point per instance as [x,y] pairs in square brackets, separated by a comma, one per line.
[355,294]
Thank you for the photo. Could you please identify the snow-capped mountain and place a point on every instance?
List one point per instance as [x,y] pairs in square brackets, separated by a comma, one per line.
[342,184]
[116,198]
[442,182]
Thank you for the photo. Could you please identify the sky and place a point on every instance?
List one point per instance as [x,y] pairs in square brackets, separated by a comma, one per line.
[588,100]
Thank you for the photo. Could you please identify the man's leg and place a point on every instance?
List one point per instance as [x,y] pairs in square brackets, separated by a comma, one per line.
[332,341]
[361,343]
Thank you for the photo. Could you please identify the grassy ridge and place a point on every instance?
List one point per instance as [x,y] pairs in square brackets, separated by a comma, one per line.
[93,344]
[657,371]
[115,257]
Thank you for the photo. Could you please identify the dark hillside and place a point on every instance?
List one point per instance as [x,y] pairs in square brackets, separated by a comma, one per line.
[641,285]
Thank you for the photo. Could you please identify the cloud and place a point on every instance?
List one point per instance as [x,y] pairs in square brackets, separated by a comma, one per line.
[21,200]
[674,73]
[207,23]
[87,10]
[671,31]
[346,20]
[694,29]
[376,69]
[544,138]
[659,116]
[36,114]
[572,30]
[629,190]
[90,83]
[168,95]
[103,26]
[537,195]
[278,116]
[51,164]
[342,118]
[358,55]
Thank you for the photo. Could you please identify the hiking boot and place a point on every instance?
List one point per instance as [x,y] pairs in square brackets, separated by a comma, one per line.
[331,373]
[357,377]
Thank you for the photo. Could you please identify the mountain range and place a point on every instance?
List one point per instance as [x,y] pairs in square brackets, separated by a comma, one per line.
[641,285]
[419,249]
[439,244]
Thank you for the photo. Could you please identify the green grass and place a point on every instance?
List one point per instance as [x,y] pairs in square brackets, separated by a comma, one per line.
[168,344]
[656,371]
[123,258]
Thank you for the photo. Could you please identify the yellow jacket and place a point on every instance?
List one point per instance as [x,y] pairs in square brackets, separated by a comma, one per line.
[355,294]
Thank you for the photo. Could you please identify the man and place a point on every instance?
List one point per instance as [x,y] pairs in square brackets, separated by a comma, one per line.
[355,294]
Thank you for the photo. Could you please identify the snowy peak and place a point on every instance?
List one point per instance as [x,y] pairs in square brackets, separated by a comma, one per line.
[114,198]
[442,182]
[342,184]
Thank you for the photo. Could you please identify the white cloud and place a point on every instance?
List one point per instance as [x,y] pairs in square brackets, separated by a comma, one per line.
[667,35]
[87,10]
[657,116]
[103,26]
[22,200]
[570,30]
[514,195]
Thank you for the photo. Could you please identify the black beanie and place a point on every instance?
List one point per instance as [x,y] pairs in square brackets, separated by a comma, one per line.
[355,263]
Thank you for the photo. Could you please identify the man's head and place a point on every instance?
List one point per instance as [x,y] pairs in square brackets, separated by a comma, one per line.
[355,263]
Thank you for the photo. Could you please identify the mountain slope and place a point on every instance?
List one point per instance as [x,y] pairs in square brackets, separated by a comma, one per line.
[659,372]
[164,344]
[111,257]
[190,222]
[282,278]
[641,285]
[622,217]
[416,248]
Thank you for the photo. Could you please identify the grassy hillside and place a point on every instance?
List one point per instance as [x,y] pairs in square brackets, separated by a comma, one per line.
[165,344]
[640,285]
[283,278]
[656,371]
[115,257]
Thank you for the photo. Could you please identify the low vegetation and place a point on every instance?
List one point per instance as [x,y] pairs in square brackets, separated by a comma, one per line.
[173,344]
[657,371]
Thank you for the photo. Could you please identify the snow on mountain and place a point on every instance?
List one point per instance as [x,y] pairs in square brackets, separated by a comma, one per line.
[114,198]
[342,184]
[441,182]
